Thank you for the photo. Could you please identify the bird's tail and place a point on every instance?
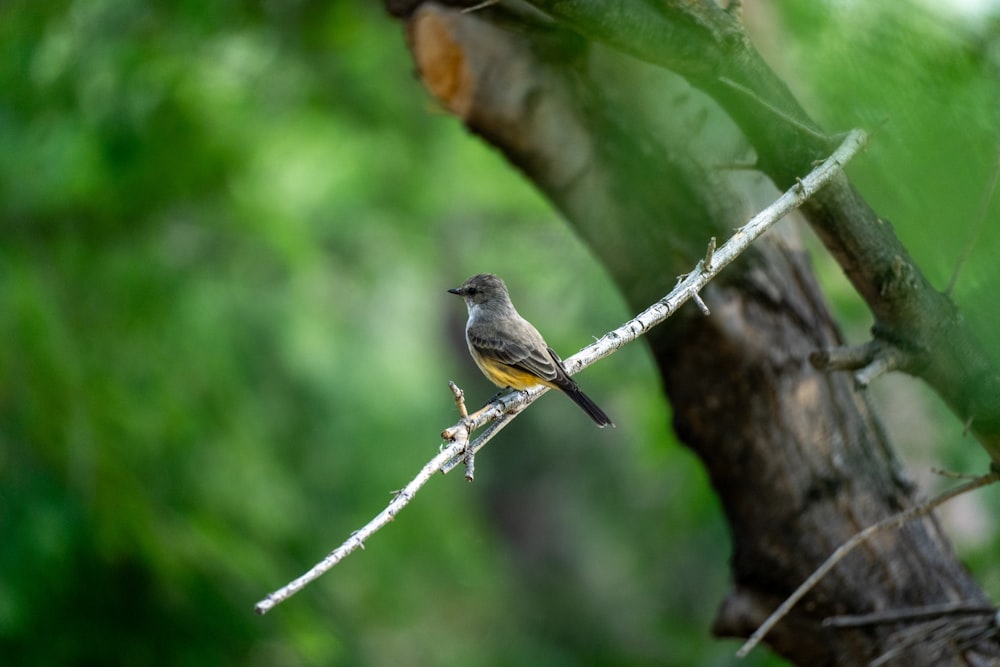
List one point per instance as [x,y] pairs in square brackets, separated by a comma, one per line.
[588,406]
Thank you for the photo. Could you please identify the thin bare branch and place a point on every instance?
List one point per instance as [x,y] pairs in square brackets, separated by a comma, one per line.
[499,412]
[357,538]
[481,5]
[977,229]
[702,306]
[894,521]
[844,358]
[459,399]
[880,365]
[710,253]
[871,360]
[910,614]
[687,288]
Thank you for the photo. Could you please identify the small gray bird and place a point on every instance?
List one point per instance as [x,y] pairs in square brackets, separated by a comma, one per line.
[508,350]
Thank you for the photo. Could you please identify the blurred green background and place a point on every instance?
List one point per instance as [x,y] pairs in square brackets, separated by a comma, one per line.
[226,232]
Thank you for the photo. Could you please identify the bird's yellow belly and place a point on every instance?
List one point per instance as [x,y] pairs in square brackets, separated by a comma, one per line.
[503,375]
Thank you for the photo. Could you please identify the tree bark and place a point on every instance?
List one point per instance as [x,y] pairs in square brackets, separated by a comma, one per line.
[796,455]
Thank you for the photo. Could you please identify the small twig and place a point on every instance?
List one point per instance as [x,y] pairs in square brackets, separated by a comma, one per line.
[469,459]
[893,521]
[950,633]
[499,413]
[470,456]
[844,358]
[701,304]
[879,366]
[967,424]
[500,418]
[358,537]
[910,614]
[709,253]
[872,360]
[459,399]
[984,208]
[778,113]
[950,474]
[470,465]
[481,5]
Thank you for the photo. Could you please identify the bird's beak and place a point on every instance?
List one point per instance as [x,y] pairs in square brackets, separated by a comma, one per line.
[456,290]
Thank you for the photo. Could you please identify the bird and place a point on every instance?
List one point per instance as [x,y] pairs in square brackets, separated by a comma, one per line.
[509,350]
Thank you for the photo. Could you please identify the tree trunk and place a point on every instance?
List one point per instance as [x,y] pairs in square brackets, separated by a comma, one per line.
[796,455]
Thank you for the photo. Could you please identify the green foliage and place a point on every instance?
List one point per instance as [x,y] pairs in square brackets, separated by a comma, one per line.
[925,84]
[225,234]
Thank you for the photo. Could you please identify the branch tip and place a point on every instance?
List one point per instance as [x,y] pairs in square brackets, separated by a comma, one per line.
[470,465]
[876,369]
[459,395]
[701,304]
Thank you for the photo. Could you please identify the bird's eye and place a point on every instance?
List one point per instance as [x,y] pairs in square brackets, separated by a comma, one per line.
[472,291]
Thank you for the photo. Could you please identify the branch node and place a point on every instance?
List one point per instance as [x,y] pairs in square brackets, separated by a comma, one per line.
[900,279]
[459,395]
[844,358]
[709,253]
[871,360]
[701,304]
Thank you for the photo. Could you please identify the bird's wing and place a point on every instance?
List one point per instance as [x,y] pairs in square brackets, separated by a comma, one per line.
[536,359]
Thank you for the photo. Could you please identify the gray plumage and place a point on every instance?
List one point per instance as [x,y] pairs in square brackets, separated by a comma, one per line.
[505,346]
